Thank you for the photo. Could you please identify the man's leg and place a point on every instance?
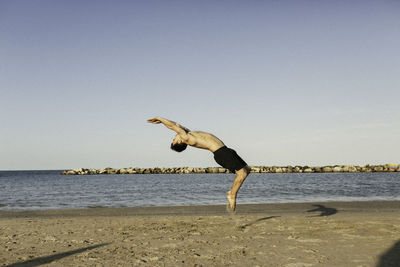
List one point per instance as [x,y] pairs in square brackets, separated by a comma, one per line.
[237,183]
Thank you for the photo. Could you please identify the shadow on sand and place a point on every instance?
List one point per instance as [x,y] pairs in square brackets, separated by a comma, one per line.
[49,259]
[257,221]
[324,211]
[390,258]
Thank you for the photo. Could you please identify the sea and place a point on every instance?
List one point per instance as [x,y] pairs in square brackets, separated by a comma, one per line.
[45,190]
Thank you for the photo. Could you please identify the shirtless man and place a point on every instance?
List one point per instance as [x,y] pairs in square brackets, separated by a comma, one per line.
[223,155]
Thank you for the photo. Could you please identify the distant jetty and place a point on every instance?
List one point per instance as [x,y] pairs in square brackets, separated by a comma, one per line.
[254,169]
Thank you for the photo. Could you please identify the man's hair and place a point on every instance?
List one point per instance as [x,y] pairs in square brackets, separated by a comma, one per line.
[178,147]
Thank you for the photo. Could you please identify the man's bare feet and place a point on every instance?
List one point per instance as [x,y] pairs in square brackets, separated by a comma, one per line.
[231,201]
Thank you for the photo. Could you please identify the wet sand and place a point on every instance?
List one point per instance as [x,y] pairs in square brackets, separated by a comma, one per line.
[292,235]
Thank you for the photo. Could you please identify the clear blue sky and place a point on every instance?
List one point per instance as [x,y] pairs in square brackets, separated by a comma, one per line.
[281,82]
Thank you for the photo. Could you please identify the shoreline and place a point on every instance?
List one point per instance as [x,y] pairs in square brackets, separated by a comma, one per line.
[206,210]
[284,234]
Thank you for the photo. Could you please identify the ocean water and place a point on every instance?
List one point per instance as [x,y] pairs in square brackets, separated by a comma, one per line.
[40,190]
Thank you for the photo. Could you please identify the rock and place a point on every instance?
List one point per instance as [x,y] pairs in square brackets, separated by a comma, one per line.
[199,170]
[352,169]
[378,168]
[111,170]
[337,169]
[298,169]
[130,171]
[81,171]
[308,170]
[212,170]
[122,171]
[264,170]
[170,171]
[156,170]
[327,169]
[317,169]
[222,170]
[92,171]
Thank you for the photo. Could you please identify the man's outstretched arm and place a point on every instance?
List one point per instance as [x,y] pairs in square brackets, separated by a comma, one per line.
[170,125]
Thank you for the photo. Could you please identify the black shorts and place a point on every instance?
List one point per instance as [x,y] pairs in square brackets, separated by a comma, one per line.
[229,159]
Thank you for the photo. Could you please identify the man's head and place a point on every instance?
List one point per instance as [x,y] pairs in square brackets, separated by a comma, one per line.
[177,144]
[178,147]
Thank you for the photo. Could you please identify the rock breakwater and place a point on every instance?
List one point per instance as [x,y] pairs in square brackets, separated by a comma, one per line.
[254,169]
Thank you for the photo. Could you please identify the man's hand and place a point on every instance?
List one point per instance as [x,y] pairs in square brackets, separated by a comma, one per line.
[155,120]
[179,129]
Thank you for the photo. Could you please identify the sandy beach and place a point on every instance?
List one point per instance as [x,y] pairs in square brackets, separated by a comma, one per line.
[291,235]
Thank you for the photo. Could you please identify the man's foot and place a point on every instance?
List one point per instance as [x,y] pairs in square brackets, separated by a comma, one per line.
[231,201]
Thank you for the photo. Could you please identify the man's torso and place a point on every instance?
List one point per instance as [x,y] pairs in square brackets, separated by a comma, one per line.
[204,140]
